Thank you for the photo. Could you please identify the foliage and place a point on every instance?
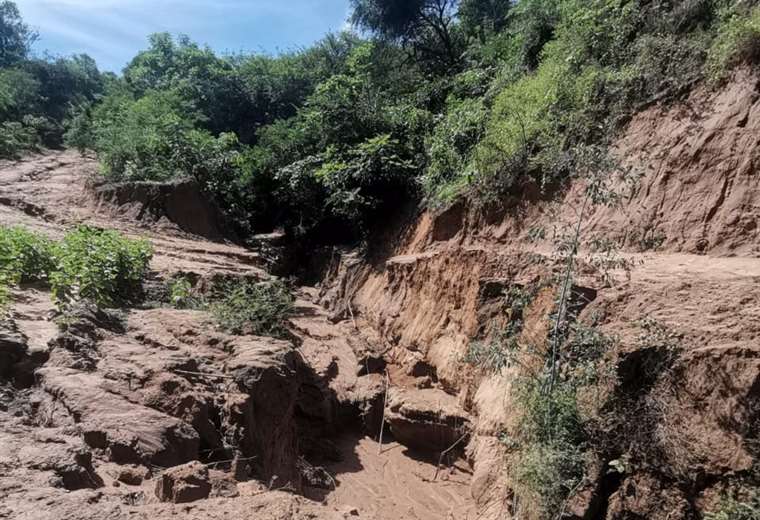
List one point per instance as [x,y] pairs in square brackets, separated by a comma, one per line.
[463,98]
[551,440]
[16,137]
[449,148]
[426,26]
[99,265]
[482,18]
[736,508]
[180,292]
[495,354]
[502,348]
[15,36]
[88,263]
[25,256]
[38,97]
[134,137]
[738,40]
[247,307]
[362,178]
[550,460]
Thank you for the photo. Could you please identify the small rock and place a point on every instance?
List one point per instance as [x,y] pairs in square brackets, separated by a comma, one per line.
[12,349]
[182,484]
[132,475]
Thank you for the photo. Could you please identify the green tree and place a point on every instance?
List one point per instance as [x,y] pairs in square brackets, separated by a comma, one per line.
[16,37]
[483,17]
[425,26]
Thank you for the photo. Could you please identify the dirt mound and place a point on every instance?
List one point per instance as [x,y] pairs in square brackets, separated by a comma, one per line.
[161,206]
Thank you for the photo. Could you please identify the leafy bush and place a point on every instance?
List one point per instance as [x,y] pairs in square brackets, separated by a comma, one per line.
[246,307]
[16,137]
[738,40]
[25,256]
[550,459]
[502,349]
[100,265]
[360,180]
[493,355]
[134,138]
[449,149]
[180,292]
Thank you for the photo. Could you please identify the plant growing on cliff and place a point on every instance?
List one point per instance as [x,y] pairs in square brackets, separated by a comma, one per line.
[180,294]
[247,307]
[501,348]
[738,40]
[551,440]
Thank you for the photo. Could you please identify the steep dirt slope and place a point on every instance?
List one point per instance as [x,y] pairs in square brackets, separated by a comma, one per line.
[694,212]
[124,411]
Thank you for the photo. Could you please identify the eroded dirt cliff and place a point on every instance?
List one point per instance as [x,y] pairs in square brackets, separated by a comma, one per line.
[688,233]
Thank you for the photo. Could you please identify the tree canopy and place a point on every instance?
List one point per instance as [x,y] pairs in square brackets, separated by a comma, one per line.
[15,36]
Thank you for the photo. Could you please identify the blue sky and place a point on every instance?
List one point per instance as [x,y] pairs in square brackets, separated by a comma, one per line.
[112,31]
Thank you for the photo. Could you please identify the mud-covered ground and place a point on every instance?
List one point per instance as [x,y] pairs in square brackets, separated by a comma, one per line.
[152,412]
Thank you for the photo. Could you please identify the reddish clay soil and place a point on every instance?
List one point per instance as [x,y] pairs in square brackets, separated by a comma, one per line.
[102,421]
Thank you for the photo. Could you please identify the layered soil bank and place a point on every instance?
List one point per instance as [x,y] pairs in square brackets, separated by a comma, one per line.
[688,231]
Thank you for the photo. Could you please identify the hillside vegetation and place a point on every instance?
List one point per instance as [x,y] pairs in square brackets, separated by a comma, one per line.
[443,98]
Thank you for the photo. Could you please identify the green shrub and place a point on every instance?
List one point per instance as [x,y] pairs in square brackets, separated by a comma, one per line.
[449,148]
[246,307]
[360,180]
[494,354]
[551,446]
[25,256]
[738,40]
[100,265]
[180,292]
[736,508]
[134,138]
[17,137]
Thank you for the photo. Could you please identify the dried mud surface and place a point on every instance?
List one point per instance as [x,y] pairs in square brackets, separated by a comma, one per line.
[106,420]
